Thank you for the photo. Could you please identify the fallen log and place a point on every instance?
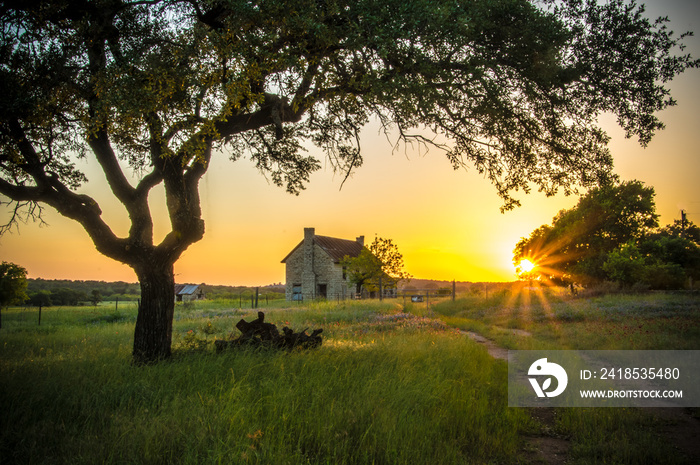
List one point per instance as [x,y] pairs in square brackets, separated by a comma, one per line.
[257,333]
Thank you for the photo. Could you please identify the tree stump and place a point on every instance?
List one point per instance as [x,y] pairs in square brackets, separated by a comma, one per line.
[257,333]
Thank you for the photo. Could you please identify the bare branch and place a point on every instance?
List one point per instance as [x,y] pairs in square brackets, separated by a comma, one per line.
[22,212]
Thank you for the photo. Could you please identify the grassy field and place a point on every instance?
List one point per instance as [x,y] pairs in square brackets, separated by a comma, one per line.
[549,318]
[541,318]
[386,387]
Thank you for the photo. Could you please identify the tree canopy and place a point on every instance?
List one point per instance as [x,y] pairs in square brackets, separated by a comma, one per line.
[682,228]
[574,247]
[514,87]
[13,285]
[380,264]
[612,234]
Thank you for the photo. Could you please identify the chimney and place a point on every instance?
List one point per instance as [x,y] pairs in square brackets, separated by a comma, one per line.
[361,240]
[308,247]
[308,277]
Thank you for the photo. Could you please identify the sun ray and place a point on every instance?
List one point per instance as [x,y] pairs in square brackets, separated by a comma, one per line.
[526,265]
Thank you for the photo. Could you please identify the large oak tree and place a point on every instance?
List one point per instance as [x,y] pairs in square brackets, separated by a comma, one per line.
[514,86]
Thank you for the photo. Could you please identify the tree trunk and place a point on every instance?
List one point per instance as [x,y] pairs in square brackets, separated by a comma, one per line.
[154,322]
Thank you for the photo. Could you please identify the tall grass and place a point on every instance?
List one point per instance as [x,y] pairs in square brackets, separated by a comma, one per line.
[557,321]
[385,388]
[547,319]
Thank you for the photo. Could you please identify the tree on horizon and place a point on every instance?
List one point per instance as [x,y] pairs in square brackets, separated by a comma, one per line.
[161,86]
[13,285]
[572,250]
[378,265]
[612,234]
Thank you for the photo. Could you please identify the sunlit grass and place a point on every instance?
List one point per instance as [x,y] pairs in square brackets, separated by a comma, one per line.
[385,387]
[391,384]
[556,320]
[546,318]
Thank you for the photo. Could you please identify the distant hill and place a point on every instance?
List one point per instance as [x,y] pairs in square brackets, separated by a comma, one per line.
[69,292]
[462,286]
[425,284]
[109,291]
[72,290]
[234,292]
[104,288]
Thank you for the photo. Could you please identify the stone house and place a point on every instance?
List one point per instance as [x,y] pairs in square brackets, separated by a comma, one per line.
[313,267]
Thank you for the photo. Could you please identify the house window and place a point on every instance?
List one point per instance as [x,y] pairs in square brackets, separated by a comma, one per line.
[296,292]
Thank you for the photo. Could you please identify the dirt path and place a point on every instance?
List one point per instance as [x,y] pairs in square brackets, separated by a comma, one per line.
[491,347]
[678,425]
[546,448]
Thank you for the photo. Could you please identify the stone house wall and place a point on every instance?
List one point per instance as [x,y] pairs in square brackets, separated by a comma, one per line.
[312,273]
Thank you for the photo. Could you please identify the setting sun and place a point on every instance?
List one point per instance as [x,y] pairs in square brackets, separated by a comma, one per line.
[526,266]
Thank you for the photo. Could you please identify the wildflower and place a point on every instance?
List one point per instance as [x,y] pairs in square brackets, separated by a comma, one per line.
[256,435]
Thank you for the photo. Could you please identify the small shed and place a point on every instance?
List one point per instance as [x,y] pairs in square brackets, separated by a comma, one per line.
[188,292]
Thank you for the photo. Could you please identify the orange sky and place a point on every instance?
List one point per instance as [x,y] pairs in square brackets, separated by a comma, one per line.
[446,223]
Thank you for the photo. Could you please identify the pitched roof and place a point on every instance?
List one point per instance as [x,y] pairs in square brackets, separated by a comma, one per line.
[334,247]
[186,289]
[338,248]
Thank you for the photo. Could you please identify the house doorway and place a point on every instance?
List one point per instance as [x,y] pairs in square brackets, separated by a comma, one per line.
[323,290]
